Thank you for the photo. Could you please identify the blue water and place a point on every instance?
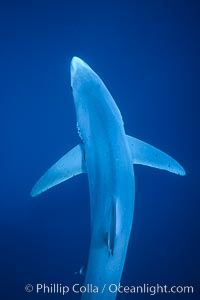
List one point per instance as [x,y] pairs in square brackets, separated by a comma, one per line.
[147,53]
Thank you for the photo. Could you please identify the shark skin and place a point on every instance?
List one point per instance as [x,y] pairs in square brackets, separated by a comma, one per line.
[110,175]
[107,155]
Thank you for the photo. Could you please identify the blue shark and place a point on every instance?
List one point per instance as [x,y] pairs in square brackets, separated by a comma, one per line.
[107,155]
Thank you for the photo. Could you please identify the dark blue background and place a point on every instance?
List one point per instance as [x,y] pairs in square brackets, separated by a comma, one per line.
[147,53]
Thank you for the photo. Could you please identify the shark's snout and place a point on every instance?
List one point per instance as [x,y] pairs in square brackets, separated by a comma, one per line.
[77,66]
[74,64]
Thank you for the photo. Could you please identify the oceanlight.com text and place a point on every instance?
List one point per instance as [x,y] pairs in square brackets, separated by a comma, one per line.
[64,289]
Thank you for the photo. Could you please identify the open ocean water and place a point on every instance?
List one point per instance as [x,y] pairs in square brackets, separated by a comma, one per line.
[147,54]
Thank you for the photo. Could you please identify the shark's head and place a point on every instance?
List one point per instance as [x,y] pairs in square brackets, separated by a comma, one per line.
[93,103]
[83,78]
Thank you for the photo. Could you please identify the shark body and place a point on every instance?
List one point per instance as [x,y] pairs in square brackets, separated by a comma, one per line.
[107,155]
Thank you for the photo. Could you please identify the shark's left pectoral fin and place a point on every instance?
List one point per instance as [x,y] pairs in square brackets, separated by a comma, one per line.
[145,154]
[70,165]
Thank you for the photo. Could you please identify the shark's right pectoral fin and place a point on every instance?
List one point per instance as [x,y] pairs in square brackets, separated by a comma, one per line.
[147,155]
[68,166]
